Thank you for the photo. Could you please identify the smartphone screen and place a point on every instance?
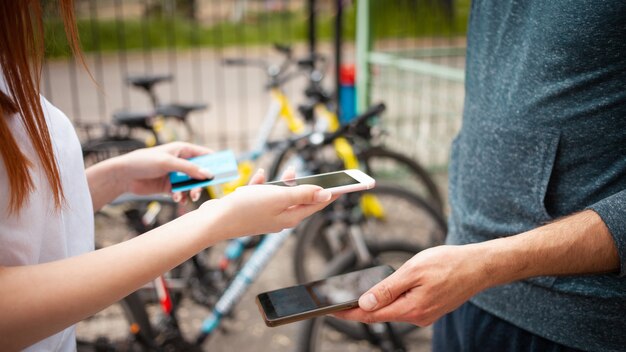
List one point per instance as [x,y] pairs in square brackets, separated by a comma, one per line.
[329,180]
[337,182]
[319,297]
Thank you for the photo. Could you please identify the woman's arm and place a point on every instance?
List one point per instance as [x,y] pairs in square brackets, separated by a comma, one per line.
[39,300]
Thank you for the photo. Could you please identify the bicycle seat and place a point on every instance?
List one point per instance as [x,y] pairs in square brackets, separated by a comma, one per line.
[133,119]
[179,111]
[148,81]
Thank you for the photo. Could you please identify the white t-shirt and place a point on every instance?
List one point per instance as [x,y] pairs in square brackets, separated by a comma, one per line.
[41,233]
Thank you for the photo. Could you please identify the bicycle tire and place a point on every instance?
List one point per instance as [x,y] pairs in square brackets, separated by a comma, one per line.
[411,215]
[97,150]
[278,162]
[380,163]
[325,161]
[391,166]
[138,336]
[310,331]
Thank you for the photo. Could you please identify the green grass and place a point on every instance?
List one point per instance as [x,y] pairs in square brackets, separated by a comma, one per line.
[400,21]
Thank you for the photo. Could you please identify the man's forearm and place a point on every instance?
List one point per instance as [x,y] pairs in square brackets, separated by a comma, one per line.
[577,244]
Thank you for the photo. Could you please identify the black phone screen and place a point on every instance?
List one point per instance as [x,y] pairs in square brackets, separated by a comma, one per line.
[330,180]
[314,295]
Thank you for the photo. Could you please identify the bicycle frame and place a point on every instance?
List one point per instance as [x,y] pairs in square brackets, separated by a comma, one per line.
[252,268]
[280,108]
[263,253]
[343,148]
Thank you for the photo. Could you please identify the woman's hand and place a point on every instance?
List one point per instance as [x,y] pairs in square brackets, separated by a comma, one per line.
[258,208]
[145,171]
[259,177]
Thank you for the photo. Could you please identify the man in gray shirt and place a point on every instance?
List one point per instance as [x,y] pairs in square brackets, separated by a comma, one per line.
[536,254]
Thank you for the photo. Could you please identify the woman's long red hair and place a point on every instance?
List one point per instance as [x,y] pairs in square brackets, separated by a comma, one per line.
[21,57]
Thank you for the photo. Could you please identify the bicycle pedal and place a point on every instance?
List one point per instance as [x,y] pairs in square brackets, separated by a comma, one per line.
[224,330]
[103,344]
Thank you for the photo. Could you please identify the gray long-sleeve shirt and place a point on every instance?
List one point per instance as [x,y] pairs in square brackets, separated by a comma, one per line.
[543,136]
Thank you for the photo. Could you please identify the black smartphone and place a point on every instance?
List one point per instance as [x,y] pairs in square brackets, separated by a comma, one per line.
[317,298]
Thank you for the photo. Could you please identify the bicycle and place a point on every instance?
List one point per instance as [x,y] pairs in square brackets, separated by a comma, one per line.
[172,325]
[122,139]
[309,150]
[140,214]
[347,230]
[364,147]
[250,269]
[131,130]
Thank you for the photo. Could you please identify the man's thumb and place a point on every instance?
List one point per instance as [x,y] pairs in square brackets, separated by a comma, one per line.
[383,293]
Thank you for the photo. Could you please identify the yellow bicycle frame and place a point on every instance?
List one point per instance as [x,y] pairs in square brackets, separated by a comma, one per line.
[246,167]
[369,203]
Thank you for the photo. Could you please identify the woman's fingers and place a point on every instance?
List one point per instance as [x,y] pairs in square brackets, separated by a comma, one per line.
[289,174]
[186,150]
[186,166]
[308,194]
[194,194]
[258,177]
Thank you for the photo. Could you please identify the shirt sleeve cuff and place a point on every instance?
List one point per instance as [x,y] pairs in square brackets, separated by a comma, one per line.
[612,211]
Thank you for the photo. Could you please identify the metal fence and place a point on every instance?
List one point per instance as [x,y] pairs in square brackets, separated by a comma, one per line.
[190,38]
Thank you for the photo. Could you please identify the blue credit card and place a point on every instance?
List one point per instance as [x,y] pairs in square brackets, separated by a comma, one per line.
[222,165]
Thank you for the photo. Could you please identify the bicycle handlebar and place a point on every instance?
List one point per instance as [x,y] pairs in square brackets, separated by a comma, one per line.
[371,112]
[326,138]
[278,74]
[284,49]
[245,62]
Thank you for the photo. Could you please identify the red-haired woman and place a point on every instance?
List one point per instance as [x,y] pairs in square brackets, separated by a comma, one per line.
[50,277]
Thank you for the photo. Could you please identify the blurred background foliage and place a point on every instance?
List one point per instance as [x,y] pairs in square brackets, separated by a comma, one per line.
[179,23]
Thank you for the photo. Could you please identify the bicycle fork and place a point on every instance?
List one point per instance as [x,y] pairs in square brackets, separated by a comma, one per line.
[251,269]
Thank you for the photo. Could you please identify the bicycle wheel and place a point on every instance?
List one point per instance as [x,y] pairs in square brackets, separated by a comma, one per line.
[395,168]
[130,217]
[283,158]
[324,160]
[406,218]
[330,334]
[101,149]
[123,326]
[384,165]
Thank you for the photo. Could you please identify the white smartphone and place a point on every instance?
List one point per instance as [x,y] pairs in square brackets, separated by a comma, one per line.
[337,182]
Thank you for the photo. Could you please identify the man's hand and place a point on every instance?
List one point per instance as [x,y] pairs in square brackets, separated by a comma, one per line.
[429,285]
